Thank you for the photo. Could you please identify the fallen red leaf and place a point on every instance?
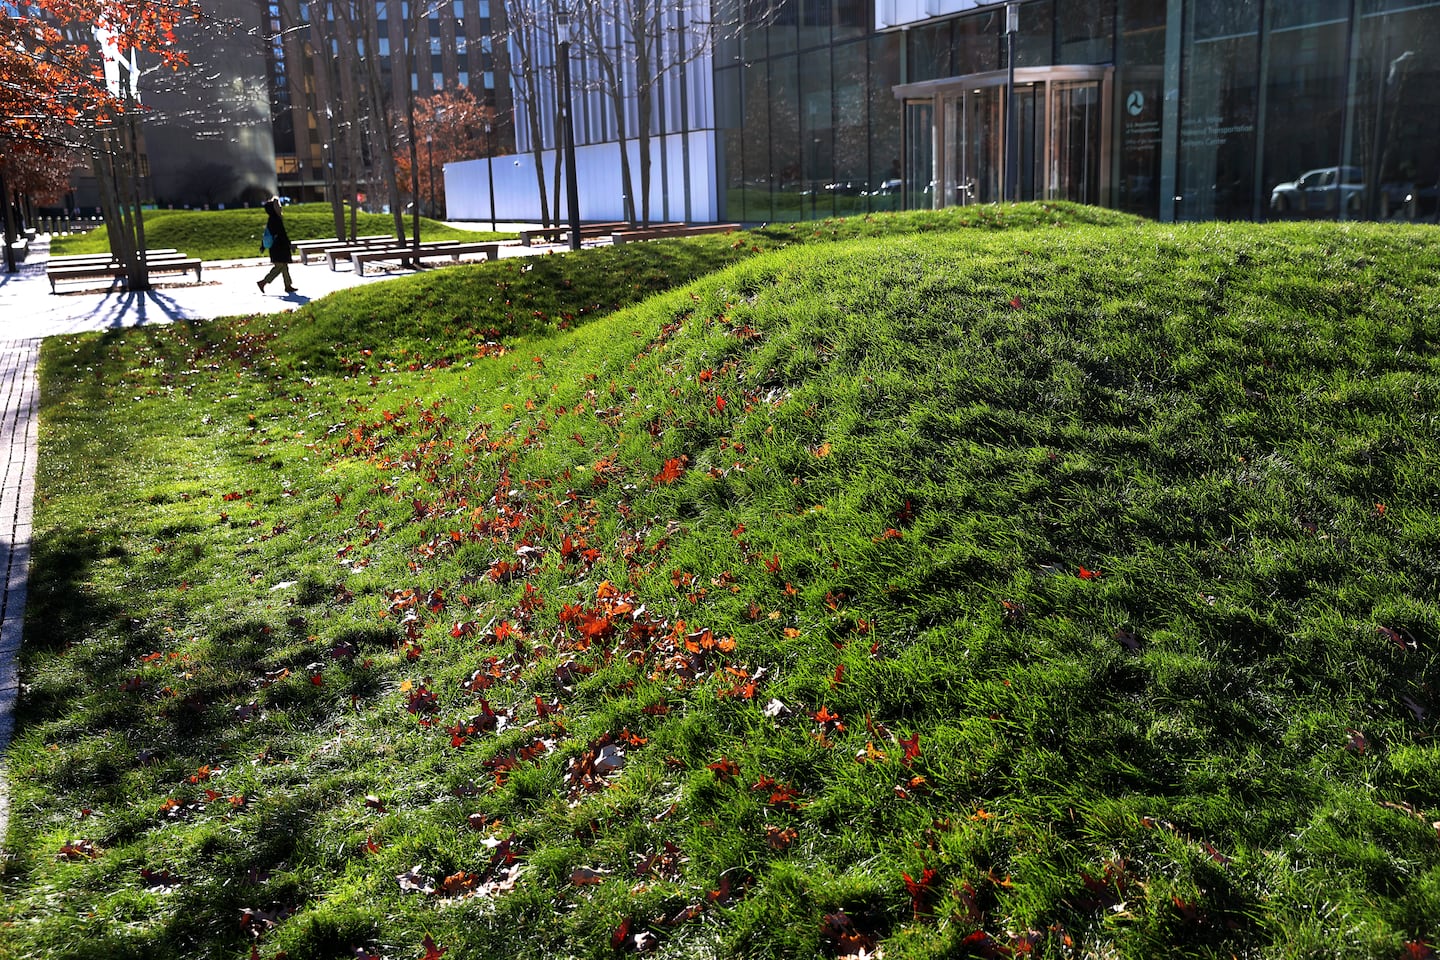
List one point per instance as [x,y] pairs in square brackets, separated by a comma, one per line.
[920,890]
[674,468]
[620,934]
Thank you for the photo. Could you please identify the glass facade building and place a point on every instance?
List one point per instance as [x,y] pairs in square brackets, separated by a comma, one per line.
[1174,109]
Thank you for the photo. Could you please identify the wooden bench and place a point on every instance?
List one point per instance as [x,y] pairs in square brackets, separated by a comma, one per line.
[319,247]
[359,258]
[667,230]
[85,259]
[115,271]
[553,234]
[334,255]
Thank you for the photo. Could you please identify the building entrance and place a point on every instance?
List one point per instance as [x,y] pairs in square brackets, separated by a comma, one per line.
[1062,132]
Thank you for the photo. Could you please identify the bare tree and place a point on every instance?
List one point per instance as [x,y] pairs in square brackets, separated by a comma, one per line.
[627,50]
[529,24]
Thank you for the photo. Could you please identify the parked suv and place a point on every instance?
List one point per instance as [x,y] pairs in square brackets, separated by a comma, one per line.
[1321,191]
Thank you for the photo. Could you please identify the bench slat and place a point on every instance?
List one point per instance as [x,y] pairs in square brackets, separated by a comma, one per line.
[336,254]
[664,231]
[115,271]
[453,250]
[586,230]
[320,247]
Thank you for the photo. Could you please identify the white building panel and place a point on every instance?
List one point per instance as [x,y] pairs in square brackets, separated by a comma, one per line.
[683,171]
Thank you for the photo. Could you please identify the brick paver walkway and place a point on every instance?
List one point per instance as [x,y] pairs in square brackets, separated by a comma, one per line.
[17,487]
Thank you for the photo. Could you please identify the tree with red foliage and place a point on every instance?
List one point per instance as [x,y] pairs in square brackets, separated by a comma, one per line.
[69,72]
[453,125]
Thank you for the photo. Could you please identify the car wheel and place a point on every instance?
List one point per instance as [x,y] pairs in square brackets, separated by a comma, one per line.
[1280,205]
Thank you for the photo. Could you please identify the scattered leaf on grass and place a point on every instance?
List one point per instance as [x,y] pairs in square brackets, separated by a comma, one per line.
[413,881]
[80,850]
[586,877]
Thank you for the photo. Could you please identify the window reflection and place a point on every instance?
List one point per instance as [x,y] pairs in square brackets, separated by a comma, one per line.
[1278,108]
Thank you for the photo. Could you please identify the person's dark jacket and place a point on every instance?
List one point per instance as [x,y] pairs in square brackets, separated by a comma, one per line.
[280,251]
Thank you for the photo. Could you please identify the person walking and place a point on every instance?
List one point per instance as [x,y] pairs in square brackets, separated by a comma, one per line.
[276,242]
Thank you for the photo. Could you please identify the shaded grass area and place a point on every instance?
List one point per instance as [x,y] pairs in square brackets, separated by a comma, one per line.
[1067,589]
[235,234]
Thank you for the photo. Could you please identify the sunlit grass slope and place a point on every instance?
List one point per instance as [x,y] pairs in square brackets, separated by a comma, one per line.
[234,234]
[1063,589]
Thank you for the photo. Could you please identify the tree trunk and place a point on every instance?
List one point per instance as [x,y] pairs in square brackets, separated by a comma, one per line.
[382,126]
[140,271]
[9,230]
[616,91]
[642,30]
[526,78]
[323,107]
[413,59]
[560,159]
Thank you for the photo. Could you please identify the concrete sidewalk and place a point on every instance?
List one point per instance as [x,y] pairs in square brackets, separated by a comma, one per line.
[29,312]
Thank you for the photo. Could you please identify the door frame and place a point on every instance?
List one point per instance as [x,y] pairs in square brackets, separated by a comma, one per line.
[951,88]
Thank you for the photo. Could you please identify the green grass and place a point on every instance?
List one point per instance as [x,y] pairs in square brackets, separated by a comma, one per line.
[235,234]
[1081,571]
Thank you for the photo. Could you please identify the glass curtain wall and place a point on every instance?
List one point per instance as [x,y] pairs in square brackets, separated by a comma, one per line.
[1286,108]
[1139,89]
[1216,172]
[1395,137]
[818,131]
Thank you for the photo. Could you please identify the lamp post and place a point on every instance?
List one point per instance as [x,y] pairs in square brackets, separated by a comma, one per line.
[572,184]
[1012,147]
[430,162]
[490,169]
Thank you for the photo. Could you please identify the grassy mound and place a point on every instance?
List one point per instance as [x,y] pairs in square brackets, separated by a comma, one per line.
[235,234]
[956,592]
